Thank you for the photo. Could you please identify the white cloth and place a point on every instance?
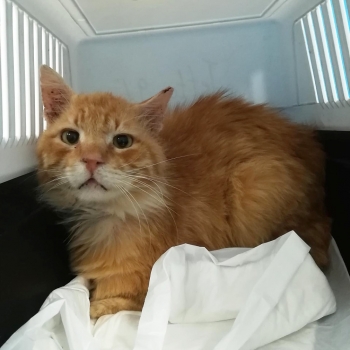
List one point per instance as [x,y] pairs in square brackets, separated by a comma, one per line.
[262,298]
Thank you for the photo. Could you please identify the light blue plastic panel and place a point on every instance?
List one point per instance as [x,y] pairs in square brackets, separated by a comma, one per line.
[244,57]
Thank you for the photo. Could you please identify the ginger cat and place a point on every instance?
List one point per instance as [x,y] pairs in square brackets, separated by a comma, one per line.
[136,179]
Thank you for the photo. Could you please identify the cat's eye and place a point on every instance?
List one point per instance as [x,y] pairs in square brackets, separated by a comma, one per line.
[70,137]
[122,141]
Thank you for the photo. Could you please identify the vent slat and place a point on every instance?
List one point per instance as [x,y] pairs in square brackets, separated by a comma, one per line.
[2,64]
[4,74]
[307,92]
[317,57]
[65,67]
[44,47]
[51,52]
[17,73]
[31,75]
[343,37]
[11,83]
[23,139]
[57,57]
[335,51]
[28,92]
[314,57]
[5,134]
[62,59]
[39,109]
[306,38]
[326,59]
[36,65]
[44,58]
[320,58]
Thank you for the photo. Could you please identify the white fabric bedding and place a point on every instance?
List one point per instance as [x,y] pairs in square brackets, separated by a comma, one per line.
[263,298]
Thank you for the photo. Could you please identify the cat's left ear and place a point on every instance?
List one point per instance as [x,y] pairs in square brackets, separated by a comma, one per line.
[153,109]
[56,94]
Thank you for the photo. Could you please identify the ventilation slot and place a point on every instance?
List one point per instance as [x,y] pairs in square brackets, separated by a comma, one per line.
[326,36]
[25,45]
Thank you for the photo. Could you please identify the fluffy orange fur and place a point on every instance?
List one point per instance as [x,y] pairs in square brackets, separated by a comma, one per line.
[218,173]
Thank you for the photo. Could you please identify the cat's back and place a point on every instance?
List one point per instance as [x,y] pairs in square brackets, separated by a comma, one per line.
[248,174]
[231,128]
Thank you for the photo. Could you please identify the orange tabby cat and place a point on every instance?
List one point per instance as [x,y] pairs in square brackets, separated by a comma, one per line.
[138,180]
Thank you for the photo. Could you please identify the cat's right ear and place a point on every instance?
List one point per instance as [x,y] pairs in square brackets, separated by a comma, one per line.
[153,110]
[56,94]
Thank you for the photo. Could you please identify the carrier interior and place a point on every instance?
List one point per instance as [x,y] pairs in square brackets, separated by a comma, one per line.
[291,54]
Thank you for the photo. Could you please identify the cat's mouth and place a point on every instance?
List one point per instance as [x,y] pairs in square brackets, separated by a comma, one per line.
[92,183]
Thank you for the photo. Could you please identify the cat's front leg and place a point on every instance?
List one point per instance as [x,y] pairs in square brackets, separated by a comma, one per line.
[116,293]
[113,305]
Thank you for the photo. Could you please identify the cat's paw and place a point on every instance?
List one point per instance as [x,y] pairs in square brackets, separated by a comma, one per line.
[110,306]
[98,309]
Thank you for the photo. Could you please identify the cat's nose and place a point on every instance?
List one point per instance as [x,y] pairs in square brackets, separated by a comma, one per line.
[92,163]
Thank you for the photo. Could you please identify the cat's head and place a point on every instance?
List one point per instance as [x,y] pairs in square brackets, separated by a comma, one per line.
[99,148]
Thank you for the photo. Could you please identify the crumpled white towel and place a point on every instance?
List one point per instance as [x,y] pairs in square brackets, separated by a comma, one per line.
[271,291]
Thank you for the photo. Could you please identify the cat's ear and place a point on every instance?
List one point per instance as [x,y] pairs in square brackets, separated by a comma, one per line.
[153,109]
[56,94]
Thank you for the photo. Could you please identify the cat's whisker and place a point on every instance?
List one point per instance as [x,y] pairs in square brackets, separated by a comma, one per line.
[159,199]
[144,215]
[148,178]
[56,185]
[127,193]
[135,178]
[162,202]
[38,171]
[155,180]
[131,162]
[122,173]
[166,184]
[56,179]
[164,161]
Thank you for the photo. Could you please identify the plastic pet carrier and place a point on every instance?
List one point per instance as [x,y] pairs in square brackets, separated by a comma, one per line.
[292,54]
